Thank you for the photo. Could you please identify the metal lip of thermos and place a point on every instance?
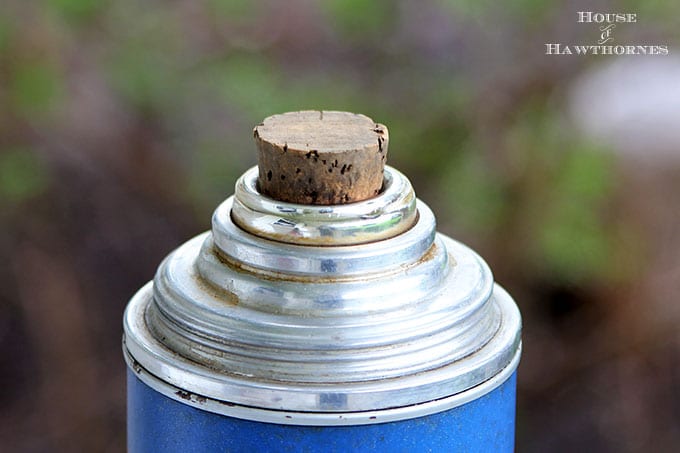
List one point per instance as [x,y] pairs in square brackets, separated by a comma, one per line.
[313,315]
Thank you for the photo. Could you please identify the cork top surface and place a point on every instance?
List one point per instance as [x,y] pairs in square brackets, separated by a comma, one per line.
[322,131]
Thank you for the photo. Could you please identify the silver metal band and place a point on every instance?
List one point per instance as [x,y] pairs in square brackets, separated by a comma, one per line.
[390,213]
[282,417]
[270,325]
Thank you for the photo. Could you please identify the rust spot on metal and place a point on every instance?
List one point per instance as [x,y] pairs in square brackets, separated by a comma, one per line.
[430,254]
[219,293]
[191,396]
[184,395]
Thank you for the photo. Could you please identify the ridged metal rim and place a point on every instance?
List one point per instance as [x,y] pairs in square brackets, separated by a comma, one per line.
[261,254]
[282,417]
[388,214]
[259,391]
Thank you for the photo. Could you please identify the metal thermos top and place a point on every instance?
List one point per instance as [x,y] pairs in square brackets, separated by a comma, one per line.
[323,314]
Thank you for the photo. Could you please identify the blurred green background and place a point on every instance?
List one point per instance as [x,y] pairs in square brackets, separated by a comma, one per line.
[123,124]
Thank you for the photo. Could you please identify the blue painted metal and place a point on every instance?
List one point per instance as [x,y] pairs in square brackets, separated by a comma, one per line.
[157,423]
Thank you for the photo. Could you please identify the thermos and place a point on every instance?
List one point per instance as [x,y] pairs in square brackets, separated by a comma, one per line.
[311,327]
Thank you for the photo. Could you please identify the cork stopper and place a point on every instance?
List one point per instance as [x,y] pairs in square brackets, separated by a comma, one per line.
[320,157]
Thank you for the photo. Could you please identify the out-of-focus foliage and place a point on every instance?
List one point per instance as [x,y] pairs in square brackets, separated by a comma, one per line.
[568,184]
[22,175]
[124,123]
[33,87]
[359,19]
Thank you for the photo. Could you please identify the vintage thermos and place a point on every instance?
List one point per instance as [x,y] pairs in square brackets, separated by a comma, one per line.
[321,313]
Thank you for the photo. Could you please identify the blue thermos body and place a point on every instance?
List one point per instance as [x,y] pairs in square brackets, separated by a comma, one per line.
[310,328]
